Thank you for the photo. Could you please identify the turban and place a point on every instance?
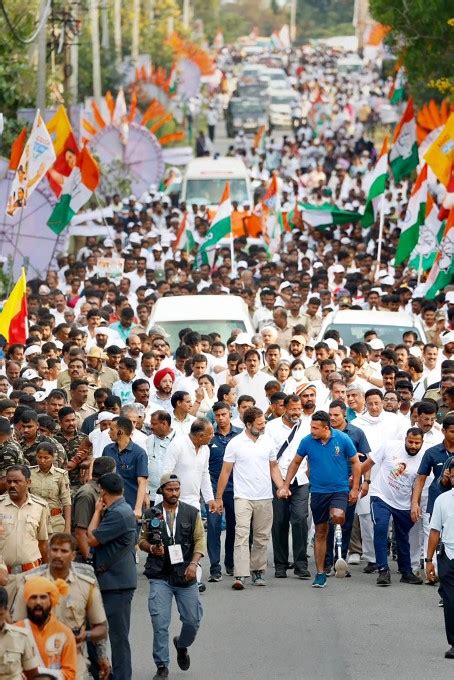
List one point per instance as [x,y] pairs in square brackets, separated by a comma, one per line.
[162,374]
[39,585]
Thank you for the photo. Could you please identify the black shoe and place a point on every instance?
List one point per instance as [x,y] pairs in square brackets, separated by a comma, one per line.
[229,571]
[280,573]
[161,672]
[384,577]
[412,579]
[450,653]
[202,587]
[214,578]
[370,568]
[302,573]
[183,659]
[441,603]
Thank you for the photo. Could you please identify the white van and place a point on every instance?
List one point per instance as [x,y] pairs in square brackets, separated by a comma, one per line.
[205,179]
[389,326]
[202,313]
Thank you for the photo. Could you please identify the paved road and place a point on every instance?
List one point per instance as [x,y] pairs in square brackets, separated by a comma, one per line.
[352,630]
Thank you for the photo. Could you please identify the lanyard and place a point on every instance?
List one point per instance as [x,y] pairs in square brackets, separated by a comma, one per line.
[172,533]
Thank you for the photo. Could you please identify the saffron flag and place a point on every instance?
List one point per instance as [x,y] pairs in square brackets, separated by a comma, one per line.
[415,216]
[13,317]
[377,185]
[403,157]
[440,156]
[77,190]
[66,149]
[17,148]
[37,157]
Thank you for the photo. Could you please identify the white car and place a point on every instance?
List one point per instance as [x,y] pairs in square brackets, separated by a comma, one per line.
[280,108]
[389,326]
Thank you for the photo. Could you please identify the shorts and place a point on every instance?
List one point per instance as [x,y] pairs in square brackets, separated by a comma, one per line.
[321,503]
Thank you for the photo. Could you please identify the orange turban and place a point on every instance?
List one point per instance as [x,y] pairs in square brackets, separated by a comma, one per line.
[40,585]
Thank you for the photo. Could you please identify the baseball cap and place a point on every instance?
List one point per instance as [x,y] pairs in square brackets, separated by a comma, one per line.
[242,264]
[376,344]
[298,338]
[32,349]
[44,290]
[449,297]
[166,478]
[30,374]
[447,337]
[96,352]
[332,344]
[243,339]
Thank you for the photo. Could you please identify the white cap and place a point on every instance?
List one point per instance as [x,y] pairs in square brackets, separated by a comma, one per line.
[387,281]
[449,297]
[102,330]
[447,337]
[416,351]
[338,269]
[243,339]
[44,290]
[135,238]
[103,416]
[32,349]
[30,374]
[332,344]
[108,243]
[157,247]
[284,285]
[376,344]
[243,264]
[40,395]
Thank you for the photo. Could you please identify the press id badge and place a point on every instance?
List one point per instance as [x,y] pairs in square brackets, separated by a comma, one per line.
[175,553]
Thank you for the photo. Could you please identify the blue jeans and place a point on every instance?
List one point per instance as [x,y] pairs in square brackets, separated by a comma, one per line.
[381,513]
[160,608]
[214,530]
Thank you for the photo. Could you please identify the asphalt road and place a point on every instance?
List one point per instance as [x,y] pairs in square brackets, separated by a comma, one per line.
[350,630]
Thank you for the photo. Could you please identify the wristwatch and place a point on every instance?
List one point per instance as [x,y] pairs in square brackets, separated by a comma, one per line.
[427,560]
[366,481]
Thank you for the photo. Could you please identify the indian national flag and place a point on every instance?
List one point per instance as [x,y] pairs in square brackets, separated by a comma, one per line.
[322,216]
[221,227]
[397,91]
[403,157]
[77,190]
[173,81]
[13,317]
[430,236]
[441,274]
[376,183]
[184,239]
[415,216]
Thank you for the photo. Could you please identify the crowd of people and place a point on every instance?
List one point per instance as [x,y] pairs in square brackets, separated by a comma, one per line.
[116,441]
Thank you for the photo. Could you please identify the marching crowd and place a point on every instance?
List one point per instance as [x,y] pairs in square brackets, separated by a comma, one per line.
[114,441]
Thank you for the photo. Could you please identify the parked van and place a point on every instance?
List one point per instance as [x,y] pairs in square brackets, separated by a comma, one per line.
[389,326]
[203,313]
[205,179]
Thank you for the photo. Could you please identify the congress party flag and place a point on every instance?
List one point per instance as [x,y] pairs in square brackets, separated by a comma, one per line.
[442,271]
[184,238]
[430,235]
[415,216]
[66,149]
[13,317]
[403,157]
[377,185]
[36,159]
[77,190]
[220,228]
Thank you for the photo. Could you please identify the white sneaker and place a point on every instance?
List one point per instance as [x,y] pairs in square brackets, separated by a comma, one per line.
[340,568]
[354,558]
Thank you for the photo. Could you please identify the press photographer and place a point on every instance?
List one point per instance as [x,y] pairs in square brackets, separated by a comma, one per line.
[173,536]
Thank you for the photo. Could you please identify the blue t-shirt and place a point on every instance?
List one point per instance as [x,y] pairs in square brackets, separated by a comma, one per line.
[131,463]
[328,463]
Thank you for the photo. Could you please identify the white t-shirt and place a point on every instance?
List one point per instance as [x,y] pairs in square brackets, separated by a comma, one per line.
[191,467]
[279,433]
[251,466]
[396,473]
[254,387]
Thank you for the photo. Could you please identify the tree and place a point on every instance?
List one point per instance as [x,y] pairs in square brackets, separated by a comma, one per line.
[422,37]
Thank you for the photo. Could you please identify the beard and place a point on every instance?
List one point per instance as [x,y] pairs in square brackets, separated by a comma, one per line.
[38,614]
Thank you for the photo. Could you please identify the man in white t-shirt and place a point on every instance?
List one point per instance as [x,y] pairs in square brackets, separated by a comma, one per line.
[253,381]
[390,496]
[252,457]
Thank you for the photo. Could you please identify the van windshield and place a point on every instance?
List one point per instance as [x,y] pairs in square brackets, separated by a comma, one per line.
[355,332]
[224,328]
[208,191]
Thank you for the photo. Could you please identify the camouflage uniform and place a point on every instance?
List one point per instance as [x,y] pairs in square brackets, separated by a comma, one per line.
[71,447]
[10,454]
[29,451]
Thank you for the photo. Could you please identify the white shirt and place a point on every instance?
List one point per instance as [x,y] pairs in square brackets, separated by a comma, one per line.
[182,426]
[279,432]
[251,466]
[99,441]
[443,520]
[396,473]
[187,384]
[254,387]
[191,467]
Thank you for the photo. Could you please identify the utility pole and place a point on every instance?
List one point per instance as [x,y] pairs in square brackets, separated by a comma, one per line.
[186,13]
[105,39]
[117,34]
[73,80]
[41,71]
[292,20]
[135,33]
[94,16]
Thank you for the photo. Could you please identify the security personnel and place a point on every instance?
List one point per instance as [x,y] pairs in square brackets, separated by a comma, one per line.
[83,604]
[71,440]
[17,654]
[10,452]
[52,484]
[31,438]
[174,549]
[25,523]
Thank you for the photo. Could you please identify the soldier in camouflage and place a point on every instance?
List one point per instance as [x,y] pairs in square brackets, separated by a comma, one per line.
[10,452]
[72,441]
[30,438]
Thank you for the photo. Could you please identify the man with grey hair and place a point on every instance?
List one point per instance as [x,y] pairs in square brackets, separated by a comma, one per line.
[135,414]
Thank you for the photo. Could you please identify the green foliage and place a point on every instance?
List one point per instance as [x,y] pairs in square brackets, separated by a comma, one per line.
[422,37]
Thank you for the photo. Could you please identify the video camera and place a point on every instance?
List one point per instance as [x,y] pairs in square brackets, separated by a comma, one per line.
[155,527]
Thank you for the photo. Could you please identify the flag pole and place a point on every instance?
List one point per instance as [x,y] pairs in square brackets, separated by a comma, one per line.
[380,232]
[419,268]
[232,255]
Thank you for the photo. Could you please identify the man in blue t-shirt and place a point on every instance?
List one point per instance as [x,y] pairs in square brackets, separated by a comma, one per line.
[329,453]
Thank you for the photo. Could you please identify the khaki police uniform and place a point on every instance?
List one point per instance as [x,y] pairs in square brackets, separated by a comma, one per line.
[22,528]
[82,605]
[17,653]
[53,486]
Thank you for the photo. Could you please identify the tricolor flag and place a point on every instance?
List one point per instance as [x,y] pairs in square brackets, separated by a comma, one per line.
[76,191]
[323,216]
[184,239]
[403,157]
[415,216]
[173,81]
[220,228]
[273,220]
[36,159]
[397,91]
[66,149]
[442,272]
[13,317]
[376,184]
[430,236]
[440,156]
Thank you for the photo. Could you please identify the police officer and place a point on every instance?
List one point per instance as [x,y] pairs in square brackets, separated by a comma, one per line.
[81,606]
[27,425]
[25,522]
[17,655]
[173,536]
[71,440]
[10,452]
[52,484]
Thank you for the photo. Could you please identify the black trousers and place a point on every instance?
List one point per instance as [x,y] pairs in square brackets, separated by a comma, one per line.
[211,132]
[446,590]
[117,604]
[292,511]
